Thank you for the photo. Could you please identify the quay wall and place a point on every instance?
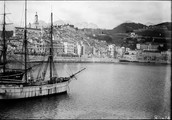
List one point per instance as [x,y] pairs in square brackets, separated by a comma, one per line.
[89,60]
[76,59]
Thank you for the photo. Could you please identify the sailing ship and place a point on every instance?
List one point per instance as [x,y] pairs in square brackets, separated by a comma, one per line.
[17,84]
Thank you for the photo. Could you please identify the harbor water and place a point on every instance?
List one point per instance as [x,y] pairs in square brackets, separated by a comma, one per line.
[103,90]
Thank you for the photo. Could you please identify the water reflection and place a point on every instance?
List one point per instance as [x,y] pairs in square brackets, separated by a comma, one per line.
[117,91]
[40,107]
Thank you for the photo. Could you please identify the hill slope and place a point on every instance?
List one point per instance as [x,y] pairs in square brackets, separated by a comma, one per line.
[115,35]
[128,27]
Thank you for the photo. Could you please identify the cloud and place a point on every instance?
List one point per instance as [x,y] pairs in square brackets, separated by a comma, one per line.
[106,14]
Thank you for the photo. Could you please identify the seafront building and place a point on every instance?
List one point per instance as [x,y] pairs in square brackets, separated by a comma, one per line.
[38,41]
[68,48]
[168,56]
[71,42]
[58,48]
[31,32]
[78,49]
[147,53]
[129,57]
[82,49]
[152,56]
[34,33]
[147,46]
[111,50]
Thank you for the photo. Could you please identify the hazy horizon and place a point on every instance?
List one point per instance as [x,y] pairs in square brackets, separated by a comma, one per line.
[105,14]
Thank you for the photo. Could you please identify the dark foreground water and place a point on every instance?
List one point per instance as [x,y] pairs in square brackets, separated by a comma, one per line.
[116,91]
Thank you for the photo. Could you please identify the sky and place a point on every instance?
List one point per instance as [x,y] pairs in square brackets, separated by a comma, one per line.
[105,14]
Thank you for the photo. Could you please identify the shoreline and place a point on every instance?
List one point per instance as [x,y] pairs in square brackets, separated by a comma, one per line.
[149,63]
[58,59]
[97,60]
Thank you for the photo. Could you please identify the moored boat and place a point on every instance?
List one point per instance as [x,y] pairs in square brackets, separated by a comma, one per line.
[20,83]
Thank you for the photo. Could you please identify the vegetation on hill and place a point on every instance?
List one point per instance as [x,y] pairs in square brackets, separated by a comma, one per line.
[154,32]
[115,35]
[164,24]
[102,37]
[128,27]
[160,33]
[159,30]
[8,34]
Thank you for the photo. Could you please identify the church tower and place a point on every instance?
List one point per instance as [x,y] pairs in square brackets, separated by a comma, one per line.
[36,21]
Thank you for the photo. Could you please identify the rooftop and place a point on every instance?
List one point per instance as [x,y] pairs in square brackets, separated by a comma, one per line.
[28,28]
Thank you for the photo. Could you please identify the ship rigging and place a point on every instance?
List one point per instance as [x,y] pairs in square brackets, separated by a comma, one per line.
[15,83]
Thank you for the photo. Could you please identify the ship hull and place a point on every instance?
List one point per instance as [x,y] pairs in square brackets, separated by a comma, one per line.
[18,92]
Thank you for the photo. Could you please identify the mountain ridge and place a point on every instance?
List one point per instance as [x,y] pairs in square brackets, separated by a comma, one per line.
[118,34]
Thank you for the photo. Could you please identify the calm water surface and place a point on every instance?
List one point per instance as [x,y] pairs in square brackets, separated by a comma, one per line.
[102,91]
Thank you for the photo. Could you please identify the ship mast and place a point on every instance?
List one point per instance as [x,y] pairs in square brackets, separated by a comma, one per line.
[51,47]
[4,45]
[25,41]
[4,40]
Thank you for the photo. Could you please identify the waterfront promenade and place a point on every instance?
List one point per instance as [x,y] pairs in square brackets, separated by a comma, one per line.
[75,59]
[60,59]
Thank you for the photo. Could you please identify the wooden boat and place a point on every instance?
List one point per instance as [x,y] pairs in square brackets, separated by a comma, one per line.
[16,83]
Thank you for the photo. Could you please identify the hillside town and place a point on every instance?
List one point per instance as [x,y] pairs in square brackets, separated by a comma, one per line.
[72,44]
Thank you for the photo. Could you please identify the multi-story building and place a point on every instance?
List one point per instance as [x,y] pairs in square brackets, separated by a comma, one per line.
[130,55]
[31,32]
[19,47]
[119,50]
[132,52]
[96,52]
[68,48]
[83,49]
[169,56]
[133,35]
[148,46]
[93,50]
[58,48]
[111,50]
[78,49]
[34,35]
[128,49]
[153,47]
[141,46]
[152,56]
[103,52]
[36,46]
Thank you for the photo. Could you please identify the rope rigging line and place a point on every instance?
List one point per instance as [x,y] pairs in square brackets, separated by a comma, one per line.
[44,70]
[67,72]
[16,60]
[41,68]
[46,67]
[55,71]
[23,63]
[70,69]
